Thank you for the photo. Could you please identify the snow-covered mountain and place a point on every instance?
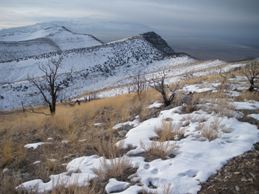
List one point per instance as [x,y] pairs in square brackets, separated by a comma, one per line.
[99,68]
[41,39]
[93,68]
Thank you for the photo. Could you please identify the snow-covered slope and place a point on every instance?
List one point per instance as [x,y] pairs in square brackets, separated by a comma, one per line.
[37,40]
[93,68]
[104,59]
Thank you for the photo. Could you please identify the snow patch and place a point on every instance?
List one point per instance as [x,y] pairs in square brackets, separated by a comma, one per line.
[35,145]
[115,186]
[255,116]
[251,105]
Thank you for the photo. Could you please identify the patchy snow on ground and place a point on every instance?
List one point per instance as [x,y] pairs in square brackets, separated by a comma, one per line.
[196,159]
[250,105]
[199,88]
[255,116]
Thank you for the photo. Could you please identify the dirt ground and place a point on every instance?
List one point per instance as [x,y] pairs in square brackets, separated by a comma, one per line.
[239,176]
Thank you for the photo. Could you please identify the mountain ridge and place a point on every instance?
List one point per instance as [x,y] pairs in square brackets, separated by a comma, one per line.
[45,40]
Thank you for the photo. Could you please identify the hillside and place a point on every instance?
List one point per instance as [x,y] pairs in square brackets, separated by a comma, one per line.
[41,40]
[92,68]
[97,68]
[125,144]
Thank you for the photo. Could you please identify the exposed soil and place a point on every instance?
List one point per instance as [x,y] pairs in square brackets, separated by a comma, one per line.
[239,176]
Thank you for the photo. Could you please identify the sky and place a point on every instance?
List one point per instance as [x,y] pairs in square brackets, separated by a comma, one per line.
[236,20]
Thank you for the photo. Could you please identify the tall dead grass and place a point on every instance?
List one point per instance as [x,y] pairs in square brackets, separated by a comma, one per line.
[119,168]
[167,132]
[159,150]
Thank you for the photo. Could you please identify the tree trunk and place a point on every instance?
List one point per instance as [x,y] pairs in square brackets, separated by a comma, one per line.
[166,101]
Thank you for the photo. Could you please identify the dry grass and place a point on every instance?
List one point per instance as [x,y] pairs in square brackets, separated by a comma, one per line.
[167,132]
[93,188]
[74,123]
[209,134]
[221,106]
[246,95]
[192,105]
[106,146]
[211,131]
[6,152]
[155,150]
[119,168]
[8,183]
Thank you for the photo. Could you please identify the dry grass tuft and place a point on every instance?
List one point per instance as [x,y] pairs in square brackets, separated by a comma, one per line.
[192,104]
[211,131]
[119,168]
[6,152]
[93,188]
[209,134]
[247,95]
[8,183]
[222,107]
[106,146]
[167,132]
[156,150]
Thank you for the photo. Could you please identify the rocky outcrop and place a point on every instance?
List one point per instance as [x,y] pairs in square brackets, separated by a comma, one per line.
[158,42]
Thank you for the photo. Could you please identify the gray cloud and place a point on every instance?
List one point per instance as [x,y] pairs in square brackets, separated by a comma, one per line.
[228,18]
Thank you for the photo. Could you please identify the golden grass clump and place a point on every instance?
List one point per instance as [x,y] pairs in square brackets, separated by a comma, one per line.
[106,146]
[167,132]
[156,150]
[211,131]
[93,188]
[119,168]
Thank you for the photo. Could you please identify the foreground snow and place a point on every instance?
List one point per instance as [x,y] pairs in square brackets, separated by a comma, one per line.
[195,161]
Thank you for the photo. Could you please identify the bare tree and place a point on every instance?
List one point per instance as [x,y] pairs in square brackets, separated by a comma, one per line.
[251,71]
[168,93]
[139,84]
[51,83]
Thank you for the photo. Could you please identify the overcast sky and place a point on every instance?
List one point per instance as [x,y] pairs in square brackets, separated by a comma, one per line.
[211,19]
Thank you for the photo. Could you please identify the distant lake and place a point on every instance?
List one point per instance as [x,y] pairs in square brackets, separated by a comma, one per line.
[213,49]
